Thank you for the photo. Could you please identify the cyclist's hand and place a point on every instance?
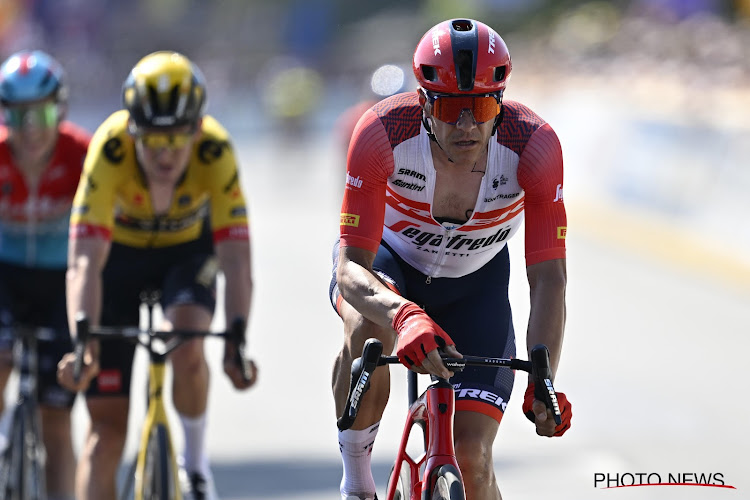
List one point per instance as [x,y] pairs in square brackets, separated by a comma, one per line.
[235,371]
[89,370]
[418,340]
[537,412]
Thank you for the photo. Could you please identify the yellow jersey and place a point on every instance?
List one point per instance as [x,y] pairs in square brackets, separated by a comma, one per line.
[113,200]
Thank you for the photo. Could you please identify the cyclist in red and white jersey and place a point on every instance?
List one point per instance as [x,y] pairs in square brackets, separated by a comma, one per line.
[41,157]
[437,181]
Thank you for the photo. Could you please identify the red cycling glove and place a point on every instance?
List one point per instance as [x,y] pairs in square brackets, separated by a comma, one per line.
[566,409]
[418,334]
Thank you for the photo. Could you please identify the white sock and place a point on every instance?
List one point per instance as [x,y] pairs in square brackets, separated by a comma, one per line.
[194,458]
[356,451]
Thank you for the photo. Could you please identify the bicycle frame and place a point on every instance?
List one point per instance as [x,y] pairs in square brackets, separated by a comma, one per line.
[25,449]
[156,416]
[433,411]
[156,424]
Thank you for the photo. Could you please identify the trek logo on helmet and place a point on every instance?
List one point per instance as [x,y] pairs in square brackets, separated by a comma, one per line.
[436,41]
[491,47]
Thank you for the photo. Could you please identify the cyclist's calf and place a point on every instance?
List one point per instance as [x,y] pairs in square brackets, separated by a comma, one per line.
[357,329]
[474,434]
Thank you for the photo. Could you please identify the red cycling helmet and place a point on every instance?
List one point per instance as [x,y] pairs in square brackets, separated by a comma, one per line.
[462,56]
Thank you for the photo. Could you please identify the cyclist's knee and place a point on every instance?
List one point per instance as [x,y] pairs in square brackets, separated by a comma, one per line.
[56,423]
[474,456]
[357,329]
[189,357]
[109,425]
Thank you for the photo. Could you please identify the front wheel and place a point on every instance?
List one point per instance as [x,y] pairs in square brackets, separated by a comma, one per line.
[158,471]
[403,485]
[446,484]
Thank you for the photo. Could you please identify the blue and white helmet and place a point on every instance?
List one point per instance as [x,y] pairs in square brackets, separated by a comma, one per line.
[31,75]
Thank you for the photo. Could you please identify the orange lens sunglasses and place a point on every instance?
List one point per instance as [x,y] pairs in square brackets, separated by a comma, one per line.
[448,108]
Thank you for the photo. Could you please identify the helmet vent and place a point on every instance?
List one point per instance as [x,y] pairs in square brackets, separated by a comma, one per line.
[500,73]
[462,25]
[429,73]
[465,69]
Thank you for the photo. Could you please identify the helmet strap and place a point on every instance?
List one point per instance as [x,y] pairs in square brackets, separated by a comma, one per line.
[432,137]
[498,119]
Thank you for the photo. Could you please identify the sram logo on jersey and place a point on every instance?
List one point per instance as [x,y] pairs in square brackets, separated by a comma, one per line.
[457,242]
[410,185]
[353,181]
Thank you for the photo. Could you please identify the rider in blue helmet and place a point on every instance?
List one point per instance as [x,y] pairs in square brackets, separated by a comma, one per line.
[41,157]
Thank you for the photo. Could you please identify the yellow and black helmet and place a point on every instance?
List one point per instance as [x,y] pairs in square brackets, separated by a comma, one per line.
[165,89]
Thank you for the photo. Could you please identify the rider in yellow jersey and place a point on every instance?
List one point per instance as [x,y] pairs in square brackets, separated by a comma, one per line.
[159,206]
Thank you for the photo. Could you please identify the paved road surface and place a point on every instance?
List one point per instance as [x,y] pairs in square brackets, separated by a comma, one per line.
[653,361]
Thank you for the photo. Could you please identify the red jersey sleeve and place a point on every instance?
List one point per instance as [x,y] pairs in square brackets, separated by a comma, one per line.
[540,174]
[369,164]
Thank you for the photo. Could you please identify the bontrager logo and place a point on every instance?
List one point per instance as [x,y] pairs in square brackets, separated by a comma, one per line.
[353,181]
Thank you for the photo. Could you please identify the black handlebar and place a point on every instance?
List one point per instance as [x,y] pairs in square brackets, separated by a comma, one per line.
[542,375]
[235,334]
[361,372]
[362,369]
[82,335]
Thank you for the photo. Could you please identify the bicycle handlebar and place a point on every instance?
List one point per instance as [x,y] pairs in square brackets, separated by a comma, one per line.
[361,372]
[235,333]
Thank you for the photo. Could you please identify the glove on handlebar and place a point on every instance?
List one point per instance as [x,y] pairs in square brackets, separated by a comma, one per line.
[566,409]
[418,334]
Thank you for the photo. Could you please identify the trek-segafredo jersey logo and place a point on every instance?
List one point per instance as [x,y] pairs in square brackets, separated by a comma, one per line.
[458,245]
[353,181]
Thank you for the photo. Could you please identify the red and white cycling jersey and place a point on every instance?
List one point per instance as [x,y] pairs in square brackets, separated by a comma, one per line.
[390,186]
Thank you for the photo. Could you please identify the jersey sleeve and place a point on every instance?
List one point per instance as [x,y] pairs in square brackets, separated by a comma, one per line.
[540,174]
[229,219]
[92,213]
[369,164]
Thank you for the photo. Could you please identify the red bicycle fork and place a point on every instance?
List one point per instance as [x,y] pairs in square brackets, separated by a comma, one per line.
[433,411]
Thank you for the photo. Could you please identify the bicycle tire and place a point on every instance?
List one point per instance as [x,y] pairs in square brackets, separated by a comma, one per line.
[11,472]
[34,456]
[159,473]
[446,484]
[403,486]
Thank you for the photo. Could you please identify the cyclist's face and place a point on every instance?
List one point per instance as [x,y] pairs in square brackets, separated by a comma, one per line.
[164,153]
[32,129]
[463,141]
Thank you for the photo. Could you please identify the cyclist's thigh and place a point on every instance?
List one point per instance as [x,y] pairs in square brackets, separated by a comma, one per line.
[50,351]
[190,281]
[127,273]
[7,317]
[474,310]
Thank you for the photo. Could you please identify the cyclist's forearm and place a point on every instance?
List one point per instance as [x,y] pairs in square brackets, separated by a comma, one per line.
[235,264]
[83,292]
[369,296]
[547,316]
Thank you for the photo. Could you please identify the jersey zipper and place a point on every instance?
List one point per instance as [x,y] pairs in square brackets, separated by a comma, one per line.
[447,235]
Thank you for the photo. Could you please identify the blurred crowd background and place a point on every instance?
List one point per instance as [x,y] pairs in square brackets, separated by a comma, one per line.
[650,97]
